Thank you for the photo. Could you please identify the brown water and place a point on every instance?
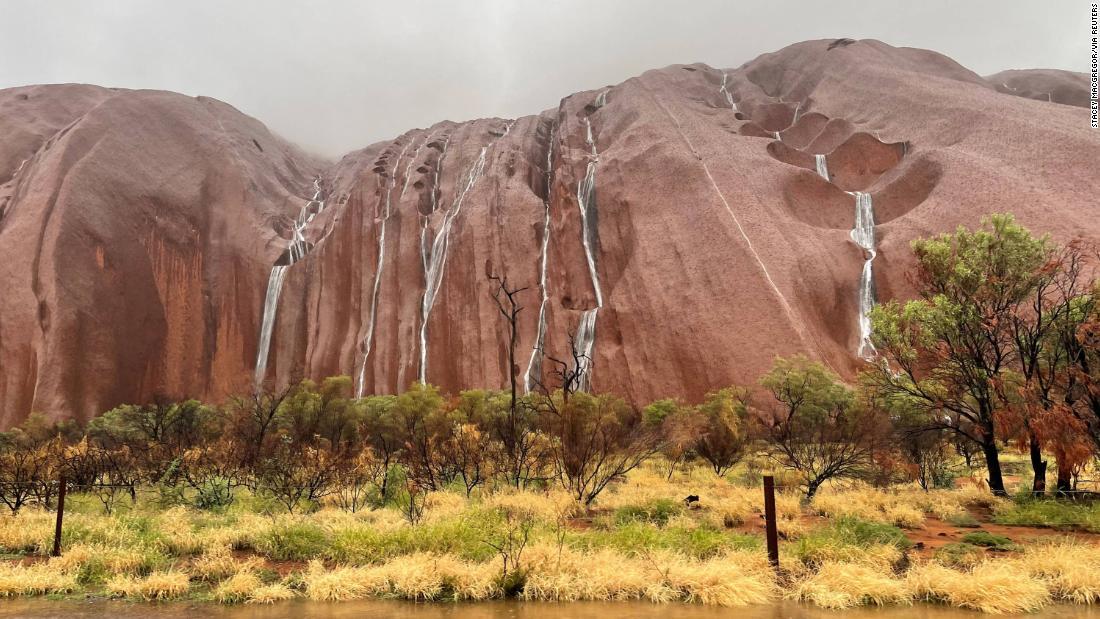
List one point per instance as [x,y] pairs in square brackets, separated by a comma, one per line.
[99,609]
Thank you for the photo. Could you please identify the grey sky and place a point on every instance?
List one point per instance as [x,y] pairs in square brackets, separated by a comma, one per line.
[340,74]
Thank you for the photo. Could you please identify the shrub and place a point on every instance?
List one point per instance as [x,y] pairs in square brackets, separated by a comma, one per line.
[989,540]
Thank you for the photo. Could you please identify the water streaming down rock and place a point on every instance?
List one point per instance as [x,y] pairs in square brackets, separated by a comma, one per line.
[534,366]
[425,249]
[296,250]
[585,340]
[776,135]
[368,338]
[725,91]
[863,234]
[822,166]
[437,259]
[267,323]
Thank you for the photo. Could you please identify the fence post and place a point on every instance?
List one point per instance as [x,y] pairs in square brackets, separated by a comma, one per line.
[770,529]
[60,515]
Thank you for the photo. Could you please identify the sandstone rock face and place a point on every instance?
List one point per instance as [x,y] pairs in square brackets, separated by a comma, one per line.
[1049,85]
[681,227]
[136,228]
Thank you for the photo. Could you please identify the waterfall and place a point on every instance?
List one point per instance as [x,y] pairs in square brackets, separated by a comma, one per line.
[534,366]
[725,91]
[777,136]
[437,259]
[424,247]
[585,339]
[863,235]
[295,251]
[271,303]
[822,166]
[586,202]
[368,339]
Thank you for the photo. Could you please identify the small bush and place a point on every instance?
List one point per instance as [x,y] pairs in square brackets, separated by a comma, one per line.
[989,540]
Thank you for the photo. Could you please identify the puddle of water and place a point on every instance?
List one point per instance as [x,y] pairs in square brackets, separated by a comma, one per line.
[380,609]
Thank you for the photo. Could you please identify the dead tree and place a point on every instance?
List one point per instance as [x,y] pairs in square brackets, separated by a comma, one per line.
[514,433]
[507,302]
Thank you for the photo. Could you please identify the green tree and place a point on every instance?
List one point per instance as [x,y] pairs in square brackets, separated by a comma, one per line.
[418,415]
[724,435]
[324,411]
[817,427]
[595,439]
[948,352]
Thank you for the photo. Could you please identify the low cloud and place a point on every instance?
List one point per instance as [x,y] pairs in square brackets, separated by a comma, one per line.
[341,74]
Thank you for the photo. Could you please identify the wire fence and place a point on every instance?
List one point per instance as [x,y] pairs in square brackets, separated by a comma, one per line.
[57,489]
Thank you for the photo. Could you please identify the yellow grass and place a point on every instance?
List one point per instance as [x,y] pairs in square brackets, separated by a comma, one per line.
[546,506]
[37,579]
[29,530]
[113,560]
[994,587]
[270,594]
[237,588]
[1070,570]
[217,563]
[336,585]
[844,585]
[165,585]
[733,579]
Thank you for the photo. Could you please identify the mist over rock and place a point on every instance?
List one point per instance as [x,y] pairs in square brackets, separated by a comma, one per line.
[685,226]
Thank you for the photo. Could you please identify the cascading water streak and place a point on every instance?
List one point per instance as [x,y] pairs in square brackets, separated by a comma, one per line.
[863,235]
[534,366]
[267,323]
[776,135]
[437,259]
[368,339]
[725,91]
[822,166]
[585,339]
[295,251]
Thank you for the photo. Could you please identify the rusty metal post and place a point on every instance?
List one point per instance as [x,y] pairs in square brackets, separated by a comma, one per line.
[771,531]
[60,515]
